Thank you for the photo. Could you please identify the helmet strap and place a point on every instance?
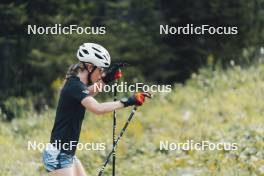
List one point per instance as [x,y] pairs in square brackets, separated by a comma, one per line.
[89,81]
[90,75]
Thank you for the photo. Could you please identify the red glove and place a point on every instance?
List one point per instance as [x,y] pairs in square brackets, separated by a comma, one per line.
[118,74]
[137,99]
[112,74]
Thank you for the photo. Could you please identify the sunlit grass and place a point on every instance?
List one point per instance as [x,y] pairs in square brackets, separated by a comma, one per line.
[215,106]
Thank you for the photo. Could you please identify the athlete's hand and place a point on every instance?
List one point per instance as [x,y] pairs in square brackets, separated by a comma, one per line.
[137,99]
[114,73]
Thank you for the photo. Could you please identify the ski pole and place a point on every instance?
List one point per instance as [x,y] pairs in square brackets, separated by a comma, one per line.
[117,140]
[118,74]
[114,130]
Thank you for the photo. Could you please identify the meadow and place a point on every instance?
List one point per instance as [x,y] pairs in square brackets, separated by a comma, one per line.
[218,106]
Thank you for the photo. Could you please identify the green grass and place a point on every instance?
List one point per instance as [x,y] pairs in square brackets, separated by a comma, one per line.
[216,106]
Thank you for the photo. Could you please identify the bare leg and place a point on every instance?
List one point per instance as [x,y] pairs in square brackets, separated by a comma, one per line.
[78,168]
[63,172]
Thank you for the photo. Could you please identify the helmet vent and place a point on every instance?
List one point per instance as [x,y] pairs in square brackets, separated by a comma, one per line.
[80,54]
[105,57]
[106,63]
[96,49]
[85,51]
[98,56]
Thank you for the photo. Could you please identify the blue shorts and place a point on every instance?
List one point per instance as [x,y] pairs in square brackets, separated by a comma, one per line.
[54,159]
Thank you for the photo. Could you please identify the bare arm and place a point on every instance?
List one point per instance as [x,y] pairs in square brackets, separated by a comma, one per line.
[100,108]
[95,88]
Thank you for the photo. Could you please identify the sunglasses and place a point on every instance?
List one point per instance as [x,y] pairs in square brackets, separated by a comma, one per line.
[101,70]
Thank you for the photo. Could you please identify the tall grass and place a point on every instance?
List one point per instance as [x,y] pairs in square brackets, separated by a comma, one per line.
[219,106]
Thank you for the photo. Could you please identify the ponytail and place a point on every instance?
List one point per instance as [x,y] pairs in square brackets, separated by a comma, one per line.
[73,70]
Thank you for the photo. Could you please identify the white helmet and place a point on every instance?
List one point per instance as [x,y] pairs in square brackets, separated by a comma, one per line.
[94,54]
